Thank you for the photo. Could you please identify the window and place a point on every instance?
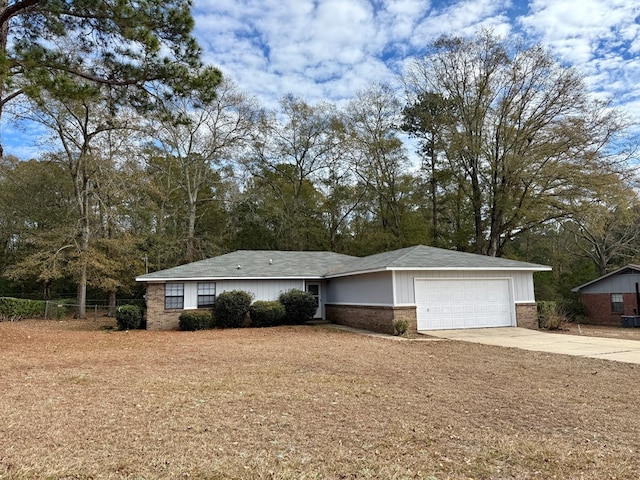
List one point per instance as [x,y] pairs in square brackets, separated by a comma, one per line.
[617,303]
[206,294]
[314,290]
[174,296]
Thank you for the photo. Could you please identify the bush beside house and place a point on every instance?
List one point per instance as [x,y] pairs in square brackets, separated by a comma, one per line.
[267,314]
[230,308]
[300,307]
[234,309]
[129,317]
[550,315]
[196,320]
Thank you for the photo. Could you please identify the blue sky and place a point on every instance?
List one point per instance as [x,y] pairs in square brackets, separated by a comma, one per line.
[330,49]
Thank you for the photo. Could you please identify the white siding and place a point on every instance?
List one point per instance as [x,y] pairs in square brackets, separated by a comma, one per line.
[261,289]
[366,289]
[190,295]
[405,289]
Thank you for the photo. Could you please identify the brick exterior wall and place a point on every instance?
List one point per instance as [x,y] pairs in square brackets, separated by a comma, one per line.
[527,315]
[376,319]
[380,319]
[157,317]
[598,308]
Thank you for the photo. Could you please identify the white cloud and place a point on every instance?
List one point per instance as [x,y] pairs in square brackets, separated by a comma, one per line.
[330,49]
[601,38]
[463,18]
[315,50]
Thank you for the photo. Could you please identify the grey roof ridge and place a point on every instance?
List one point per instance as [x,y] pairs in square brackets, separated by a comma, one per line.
[356,260]
[406,251]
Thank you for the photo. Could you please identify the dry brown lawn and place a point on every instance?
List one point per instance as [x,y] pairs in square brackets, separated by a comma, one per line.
[601,331]
[80,402]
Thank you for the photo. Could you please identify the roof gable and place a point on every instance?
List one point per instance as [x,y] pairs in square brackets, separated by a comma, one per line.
[627,269]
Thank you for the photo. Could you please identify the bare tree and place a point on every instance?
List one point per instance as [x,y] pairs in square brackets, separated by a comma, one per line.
[524,137]
[196,142]
[378,155]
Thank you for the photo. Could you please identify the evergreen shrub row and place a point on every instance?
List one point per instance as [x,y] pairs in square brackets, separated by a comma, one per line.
[267,314]
[14,309]
[299,306]
[196,320]
[233,309]
[230,308]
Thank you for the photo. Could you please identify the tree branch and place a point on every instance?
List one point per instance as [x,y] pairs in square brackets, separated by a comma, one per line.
[15,9]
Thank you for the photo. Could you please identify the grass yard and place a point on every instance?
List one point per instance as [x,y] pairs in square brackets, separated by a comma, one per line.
[80,402]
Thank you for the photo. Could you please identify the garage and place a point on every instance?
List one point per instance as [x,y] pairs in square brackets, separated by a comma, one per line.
[463,303]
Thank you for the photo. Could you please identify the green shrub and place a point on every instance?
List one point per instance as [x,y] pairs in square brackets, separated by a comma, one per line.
[129,317]
[230,308]
[13,309]
[266,314]
[195,320]
[550,315]
[299,306]
[400,327]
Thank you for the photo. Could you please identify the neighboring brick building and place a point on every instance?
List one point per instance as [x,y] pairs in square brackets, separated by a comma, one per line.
[608,298]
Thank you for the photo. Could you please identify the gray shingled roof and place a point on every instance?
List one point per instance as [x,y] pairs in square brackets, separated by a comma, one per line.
[421,257]
[256,264]
[285,264]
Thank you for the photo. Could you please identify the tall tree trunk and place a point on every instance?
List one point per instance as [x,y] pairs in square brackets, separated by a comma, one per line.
[476,199]
[111,312]
[190,254]
[4,36]
[84,248]
[434,194]
[81,312]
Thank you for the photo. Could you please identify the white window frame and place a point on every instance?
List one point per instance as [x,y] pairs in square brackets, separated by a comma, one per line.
[173,296]
[617,303]
[206,289]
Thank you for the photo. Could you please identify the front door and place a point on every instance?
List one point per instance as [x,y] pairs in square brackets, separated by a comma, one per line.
[314,289]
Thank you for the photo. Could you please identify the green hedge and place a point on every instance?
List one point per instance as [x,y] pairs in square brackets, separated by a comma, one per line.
[300,306]
[230,308]
[267,314]
[195,320]
[129,317]
[13,309]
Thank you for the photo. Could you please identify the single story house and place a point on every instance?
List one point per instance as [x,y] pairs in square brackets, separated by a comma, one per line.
[431,288]
[607,298]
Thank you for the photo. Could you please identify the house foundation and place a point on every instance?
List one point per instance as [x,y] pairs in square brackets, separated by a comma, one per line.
[527,315]
[375,318]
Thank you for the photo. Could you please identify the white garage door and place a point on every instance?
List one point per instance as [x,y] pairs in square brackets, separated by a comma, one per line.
[463,303]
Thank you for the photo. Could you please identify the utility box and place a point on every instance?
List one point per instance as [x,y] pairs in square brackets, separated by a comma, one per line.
[629,321]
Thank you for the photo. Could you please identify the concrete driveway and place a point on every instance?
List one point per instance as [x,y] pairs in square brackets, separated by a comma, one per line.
[539,341]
